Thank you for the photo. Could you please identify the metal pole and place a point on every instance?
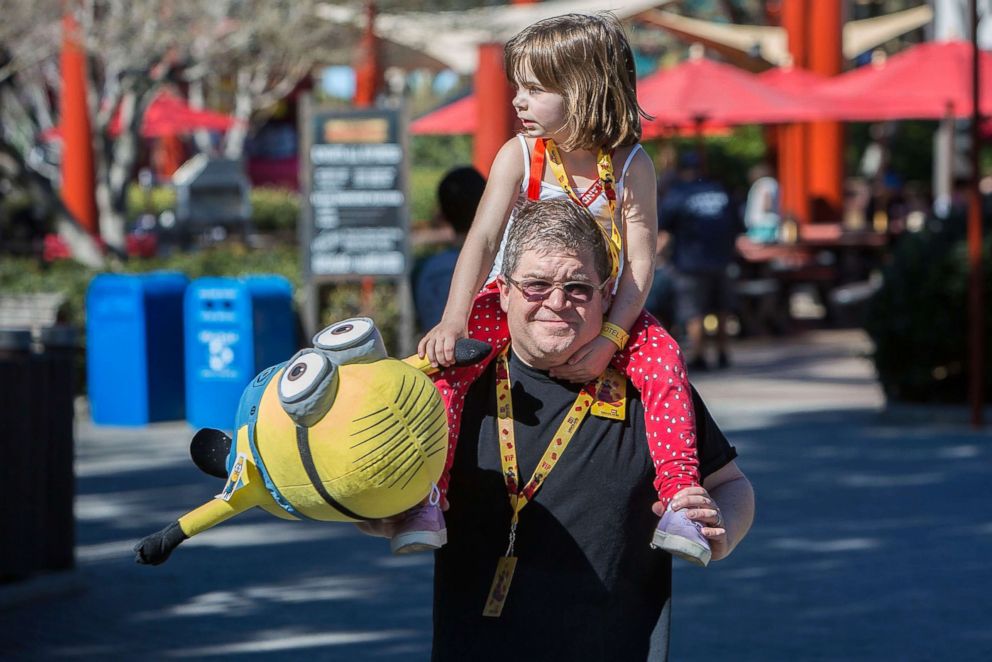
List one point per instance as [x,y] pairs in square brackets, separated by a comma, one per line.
[976,311]
[304,229]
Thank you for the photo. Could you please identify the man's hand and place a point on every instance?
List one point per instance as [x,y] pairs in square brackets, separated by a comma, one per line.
[386,527]
[379,528]
[700,507]
[588,362]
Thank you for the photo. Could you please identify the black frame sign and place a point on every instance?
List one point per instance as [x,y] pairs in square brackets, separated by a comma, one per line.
[355,188]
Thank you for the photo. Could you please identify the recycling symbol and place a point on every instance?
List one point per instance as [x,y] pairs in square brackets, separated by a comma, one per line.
[221,354]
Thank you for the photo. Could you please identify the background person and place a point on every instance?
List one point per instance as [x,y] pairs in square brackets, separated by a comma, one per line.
[458,197]
[698,224]
[761,211]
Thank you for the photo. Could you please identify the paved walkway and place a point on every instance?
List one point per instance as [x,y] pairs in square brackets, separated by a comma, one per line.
[871,543]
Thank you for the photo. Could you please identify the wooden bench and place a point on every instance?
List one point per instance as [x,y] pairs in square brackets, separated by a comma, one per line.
[30,311]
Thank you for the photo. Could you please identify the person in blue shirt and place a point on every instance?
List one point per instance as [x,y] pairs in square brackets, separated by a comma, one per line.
[698,224]
[458,196]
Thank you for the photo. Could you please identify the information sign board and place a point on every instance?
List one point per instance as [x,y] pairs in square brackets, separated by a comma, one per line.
[356,194]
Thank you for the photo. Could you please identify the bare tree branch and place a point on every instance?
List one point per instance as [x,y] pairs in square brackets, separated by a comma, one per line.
[244,55]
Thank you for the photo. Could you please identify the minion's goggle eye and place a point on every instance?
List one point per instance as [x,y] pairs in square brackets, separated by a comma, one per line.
[343,335]
[303,376]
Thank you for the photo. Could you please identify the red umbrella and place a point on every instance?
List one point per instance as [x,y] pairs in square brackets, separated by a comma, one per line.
[170,115]
[167,115]
[455,118]
[927,81]
[793,80]
[459,117]
[811,86]
[701,91]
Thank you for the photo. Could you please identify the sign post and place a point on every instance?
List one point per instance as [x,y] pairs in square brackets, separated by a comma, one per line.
[354,221]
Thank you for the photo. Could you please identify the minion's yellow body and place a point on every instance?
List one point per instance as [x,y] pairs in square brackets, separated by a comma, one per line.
[338,433]
[376,453]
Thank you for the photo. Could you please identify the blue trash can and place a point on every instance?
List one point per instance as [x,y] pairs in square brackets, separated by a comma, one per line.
[134,348]
[235,327]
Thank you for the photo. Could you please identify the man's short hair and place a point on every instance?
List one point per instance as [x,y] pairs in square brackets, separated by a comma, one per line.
[556,225]
[458,195]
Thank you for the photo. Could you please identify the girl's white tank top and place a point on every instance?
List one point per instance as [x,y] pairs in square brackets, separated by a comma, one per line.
[599,207]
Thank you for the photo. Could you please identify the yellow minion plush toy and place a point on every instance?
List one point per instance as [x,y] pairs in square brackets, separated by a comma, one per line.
[339,433]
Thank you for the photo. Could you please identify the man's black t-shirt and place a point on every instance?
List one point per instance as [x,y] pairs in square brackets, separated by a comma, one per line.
[587,585]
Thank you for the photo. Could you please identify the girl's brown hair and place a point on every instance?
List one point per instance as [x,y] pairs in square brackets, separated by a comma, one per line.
[585,58]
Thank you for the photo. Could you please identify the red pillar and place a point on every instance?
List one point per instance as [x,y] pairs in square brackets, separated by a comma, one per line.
[167,155]
[977,339]
[368,77]
[826,139]
[493,103]
[793,159]
[77,142]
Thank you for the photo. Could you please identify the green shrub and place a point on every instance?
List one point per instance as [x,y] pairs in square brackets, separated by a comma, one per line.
[339,301]
[919,320]
[274,209]
[154,200]
[231,259]
[430,158]
[277,209]
[423,193]
[910,148]
[345,300]
[22,275]
[442,152]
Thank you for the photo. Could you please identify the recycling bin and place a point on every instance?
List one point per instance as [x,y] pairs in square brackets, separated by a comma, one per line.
[134,348]
[235,327]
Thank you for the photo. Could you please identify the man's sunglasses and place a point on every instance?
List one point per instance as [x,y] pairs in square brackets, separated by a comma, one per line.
[535,289]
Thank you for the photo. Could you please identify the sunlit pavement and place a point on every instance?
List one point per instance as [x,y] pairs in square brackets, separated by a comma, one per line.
[871,542]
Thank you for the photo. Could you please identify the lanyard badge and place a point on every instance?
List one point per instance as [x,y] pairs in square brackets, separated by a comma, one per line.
[521,496]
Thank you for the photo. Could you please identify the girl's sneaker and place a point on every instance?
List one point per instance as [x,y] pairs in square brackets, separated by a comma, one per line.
[682,537]
[421,530]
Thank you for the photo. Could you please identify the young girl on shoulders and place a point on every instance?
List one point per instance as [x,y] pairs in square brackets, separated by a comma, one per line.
[577,104]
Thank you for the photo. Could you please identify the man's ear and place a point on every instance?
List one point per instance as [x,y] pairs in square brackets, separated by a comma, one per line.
[504,292]
[608,294]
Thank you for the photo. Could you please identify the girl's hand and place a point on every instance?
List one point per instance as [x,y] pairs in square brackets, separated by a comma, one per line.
[438,345]
[588,362]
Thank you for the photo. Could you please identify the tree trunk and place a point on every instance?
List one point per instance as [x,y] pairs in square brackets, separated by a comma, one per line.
[114,165]
[81,243]
[234,145]
[44,197]
[111,229]
[201,137]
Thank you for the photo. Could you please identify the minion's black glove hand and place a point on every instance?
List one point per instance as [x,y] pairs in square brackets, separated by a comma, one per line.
[155,549]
